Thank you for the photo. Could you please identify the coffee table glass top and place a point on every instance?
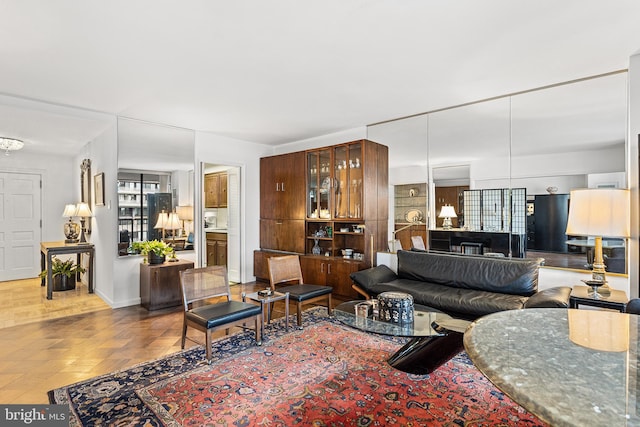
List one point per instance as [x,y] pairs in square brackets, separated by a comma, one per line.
[568,367]
[420,327]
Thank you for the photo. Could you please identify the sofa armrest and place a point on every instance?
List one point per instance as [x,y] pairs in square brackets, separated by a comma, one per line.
[361,291]
[367,279]
[557,297]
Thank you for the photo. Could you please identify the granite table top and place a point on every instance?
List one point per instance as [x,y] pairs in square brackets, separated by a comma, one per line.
[568,367]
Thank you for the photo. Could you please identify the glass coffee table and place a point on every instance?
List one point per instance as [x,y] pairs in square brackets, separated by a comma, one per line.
[435,336]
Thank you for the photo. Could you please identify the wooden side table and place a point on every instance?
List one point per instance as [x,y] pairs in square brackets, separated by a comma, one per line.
[160,284]
[266,301]
[617,300]
[49,249]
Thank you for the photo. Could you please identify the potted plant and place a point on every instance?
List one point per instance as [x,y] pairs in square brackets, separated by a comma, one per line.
[155,250]
[64,274]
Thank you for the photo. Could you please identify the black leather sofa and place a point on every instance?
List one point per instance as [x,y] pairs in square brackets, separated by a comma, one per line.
[463,286]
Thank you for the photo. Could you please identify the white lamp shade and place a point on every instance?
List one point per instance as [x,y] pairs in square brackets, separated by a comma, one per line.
[83,210]
[70,210]
[163,220]
[173,222]
[600,212]
[447,211]
[185,213]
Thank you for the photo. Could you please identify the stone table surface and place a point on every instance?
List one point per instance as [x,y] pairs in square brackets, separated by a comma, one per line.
[568,367]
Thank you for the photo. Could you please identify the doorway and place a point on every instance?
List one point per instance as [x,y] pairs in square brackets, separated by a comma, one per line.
[20,222]
[221,218]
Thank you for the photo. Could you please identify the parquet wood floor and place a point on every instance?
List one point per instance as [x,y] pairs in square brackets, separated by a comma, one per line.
[49,352]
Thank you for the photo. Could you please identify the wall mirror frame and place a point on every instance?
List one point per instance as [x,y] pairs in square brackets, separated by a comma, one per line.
[552,139]
[156,166]
[85,187]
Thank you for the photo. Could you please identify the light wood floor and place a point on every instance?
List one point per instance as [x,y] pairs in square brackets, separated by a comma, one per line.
[74,337]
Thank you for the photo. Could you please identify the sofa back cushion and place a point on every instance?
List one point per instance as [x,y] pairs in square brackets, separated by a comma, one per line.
[503,275]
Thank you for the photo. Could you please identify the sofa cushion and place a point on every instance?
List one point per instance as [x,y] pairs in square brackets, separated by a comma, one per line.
[500,275]
[366,279]
[457,302]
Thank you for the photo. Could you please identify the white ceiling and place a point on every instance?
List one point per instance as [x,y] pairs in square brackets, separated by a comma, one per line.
[282,70]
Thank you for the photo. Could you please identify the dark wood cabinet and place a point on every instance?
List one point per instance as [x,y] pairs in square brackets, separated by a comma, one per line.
[282,186]
[488,241]
[337,195]
[282,235]
[216,249]
[330,271]
[215,190]
[160,284]
[453,196]
[405,235]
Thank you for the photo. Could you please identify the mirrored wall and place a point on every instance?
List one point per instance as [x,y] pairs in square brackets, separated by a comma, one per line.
[155,185]
[543,142]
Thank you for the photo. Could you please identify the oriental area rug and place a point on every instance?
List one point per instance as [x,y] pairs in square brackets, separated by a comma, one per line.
[324,375]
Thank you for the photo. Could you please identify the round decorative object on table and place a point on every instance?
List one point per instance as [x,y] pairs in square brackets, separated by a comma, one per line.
[395,307]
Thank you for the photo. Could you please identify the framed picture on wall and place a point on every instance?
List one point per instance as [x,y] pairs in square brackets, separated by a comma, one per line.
[98,188]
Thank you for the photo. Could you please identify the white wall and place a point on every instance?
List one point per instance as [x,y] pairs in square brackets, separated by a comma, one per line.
[216,149]
[633,170]
[103,153]
[341,137]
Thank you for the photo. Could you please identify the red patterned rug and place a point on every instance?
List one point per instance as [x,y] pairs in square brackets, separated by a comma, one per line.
[325,375]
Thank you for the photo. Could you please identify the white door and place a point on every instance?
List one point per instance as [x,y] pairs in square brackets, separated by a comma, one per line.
[233,225]
[20,216]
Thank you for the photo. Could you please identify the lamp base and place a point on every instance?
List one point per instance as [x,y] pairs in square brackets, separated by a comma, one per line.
[446,223]
[71,231]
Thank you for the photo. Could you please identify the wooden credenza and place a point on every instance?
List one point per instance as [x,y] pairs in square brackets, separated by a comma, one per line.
[160,284]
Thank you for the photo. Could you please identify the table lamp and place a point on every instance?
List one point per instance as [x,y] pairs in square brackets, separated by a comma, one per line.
[599,212]
[185,213]
[173,224]
[162,222]
[447,212]
[71,229]
[83,212]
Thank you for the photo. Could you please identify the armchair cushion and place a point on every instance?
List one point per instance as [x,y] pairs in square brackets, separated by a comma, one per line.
[214,315]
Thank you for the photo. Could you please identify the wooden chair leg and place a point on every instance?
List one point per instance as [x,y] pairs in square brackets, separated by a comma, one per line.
[259,322]
[329,310]
[299,314]
[208,344]
[184,333]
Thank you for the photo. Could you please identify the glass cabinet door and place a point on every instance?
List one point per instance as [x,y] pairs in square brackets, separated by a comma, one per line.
[355,181]
[348,181]
[319,184]
[341,185]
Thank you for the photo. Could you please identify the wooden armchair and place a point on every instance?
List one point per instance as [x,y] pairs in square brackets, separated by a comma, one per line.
[285,270]
[208,306]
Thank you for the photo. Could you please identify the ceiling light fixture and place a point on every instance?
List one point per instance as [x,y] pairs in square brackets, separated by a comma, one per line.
[10,144]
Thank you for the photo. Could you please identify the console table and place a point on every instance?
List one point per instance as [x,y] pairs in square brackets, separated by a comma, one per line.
[49,249]
[160,284]
[568,367]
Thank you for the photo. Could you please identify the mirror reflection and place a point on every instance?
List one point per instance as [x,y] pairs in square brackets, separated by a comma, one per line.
[540,144]
[155,185]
